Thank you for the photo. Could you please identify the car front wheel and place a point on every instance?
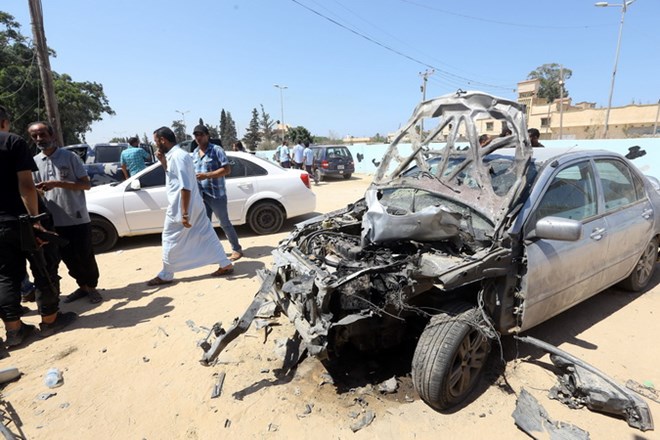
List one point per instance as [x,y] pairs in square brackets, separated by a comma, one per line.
[450,356]
[104,235]
[266,218]
[643,271]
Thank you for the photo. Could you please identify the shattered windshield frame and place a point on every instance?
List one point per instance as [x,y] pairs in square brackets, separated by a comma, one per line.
[459,171]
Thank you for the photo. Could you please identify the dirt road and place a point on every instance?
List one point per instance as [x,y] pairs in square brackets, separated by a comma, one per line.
[131,367]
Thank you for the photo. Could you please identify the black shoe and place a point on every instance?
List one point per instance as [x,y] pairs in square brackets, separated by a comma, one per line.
[16,337]
[76,295]
[61,321]
[94,296]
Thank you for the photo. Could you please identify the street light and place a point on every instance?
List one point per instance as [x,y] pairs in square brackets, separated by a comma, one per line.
[624,8]
[282,107]
[183,118]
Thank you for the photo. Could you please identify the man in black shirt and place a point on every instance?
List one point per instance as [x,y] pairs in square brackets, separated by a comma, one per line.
[18,195]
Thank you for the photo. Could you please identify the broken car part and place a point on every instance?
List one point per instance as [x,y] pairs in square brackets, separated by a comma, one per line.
[583,385]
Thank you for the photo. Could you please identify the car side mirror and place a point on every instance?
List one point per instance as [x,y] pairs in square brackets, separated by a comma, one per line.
[135,185]
[558,228]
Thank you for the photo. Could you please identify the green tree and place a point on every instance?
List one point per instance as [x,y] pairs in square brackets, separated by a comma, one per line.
[80,103]
[252,135]
[179,129]
[549,76]
[214,131]
[378,138]
[267,125]
[300,134]
[227,129]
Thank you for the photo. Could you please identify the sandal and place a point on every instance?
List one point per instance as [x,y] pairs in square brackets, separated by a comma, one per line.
[221,271]
[76,295]
[157,281]
[236,255]
[94,296]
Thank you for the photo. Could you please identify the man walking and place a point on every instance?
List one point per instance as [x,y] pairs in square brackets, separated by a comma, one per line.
[211,167]
[308,157]
[298,156]
[63,180]
[133,159]
[19,196]
[189,240]
[284,155]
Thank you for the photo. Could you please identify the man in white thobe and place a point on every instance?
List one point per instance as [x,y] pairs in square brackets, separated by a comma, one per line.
[189,240]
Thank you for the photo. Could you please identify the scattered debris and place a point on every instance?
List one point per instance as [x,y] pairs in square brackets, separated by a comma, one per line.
[145,359]
[389,386]
[8,374]
[645,390]
[47,395]
[53,378]
[364,421]
[217,388]
[533,419]
[307,411]
[583,385]
[260,323]
[264,370]
[296,391]
[64,405]
[273,427]
[161,329]
[326,379]
[408,399]
[191,324]
[227,423]
[103,350]
[353,414]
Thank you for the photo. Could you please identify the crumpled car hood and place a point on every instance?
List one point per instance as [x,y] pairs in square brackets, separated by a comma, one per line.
[462,172]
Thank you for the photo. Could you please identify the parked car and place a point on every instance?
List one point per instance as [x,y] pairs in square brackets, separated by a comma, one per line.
[461,245]
[332,160]
[260,194]
[102,161]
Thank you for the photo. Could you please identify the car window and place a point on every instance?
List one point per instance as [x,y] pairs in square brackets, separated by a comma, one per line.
[153,178]
[337,152]
[237,168]
[571,194]
[252,169]
[617,183]
[108,153]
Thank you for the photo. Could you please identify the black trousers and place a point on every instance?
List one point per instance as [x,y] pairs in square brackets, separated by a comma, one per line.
[43,265]
[78,255]
[12,271]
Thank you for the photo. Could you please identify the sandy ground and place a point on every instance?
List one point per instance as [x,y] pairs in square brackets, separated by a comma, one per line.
[131,367]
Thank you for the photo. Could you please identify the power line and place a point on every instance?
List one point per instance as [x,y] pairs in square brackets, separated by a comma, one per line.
[391,49]
[503,23]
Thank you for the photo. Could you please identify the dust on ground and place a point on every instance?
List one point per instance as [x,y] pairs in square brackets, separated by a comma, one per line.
[131,369]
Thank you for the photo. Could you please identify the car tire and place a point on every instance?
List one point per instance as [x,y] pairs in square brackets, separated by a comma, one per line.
[643,272]
[347,176]
[450,356]
[104,235]
[266,217]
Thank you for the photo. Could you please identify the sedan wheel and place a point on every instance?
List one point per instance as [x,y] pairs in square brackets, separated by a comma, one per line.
[450,356]
[643,271]
[265,218]
[104,235]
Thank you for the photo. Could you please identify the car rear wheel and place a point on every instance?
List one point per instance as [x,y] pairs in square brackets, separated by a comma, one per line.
[266,218]
[643,271]
[450,356]
[317,175]
[347,176]
[104,235]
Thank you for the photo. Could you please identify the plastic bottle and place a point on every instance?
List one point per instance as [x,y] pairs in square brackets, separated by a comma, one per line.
[53,378]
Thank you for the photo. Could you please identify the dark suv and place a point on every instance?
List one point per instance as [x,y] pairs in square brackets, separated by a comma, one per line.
[332,160]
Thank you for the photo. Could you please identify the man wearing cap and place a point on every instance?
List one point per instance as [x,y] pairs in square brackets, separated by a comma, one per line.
[189,240]
[211,167]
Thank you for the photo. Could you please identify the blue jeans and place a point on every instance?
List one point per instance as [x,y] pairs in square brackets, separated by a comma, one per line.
[219,208]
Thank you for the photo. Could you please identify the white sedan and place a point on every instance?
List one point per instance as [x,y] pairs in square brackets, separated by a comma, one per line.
[259,193]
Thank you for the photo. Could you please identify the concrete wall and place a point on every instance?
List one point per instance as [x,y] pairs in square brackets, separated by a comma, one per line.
[649,164]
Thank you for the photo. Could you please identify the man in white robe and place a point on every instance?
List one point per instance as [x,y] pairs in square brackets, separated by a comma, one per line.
[189,240]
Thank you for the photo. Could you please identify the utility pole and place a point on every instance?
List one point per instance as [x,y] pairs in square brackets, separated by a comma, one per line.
[655,126]
[44,68]
[425,77]
[561,101]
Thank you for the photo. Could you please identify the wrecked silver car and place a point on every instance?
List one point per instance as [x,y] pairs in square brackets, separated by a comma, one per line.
[476,241]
